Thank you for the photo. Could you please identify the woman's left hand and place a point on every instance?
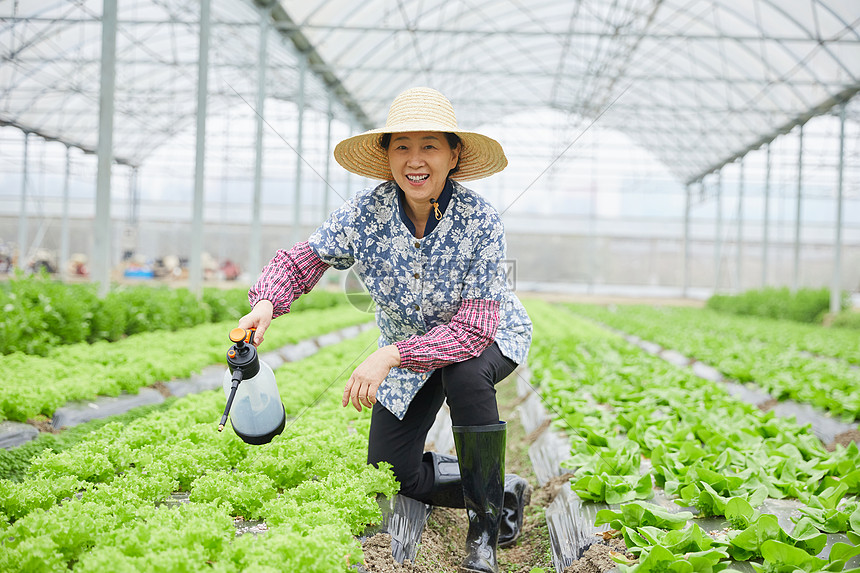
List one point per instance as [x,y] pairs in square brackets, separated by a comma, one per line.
[366,378]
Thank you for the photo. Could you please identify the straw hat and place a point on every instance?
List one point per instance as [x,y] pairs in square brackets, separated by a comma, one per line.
[420,109]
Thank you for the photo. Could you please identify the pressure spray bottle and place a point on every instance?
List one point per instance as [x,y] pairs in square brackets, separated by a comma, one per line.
[253,402]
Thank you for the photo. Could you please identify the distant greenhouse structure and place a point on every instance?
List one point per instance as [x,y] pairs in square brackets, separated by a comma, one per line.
[654,146]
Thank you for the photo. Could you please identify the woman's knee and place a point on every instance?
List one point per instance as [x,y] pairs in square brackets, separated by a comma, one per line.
[468,378]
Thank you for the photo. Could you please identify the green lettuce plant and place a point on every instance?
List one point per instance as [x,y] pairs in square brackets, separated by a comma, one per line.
[782,557]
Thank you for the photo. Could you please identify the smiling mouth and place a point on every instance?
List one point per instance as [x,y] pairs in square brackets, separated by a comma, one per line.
[418,178]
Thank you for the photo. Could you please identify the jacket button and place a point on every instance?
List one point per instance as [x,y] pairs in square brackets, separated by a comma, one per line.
[417,245]
[417,307]
[417,275]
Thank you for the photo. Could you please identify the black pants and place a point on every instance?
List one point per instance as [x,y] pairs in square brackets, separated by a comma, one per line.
[470,389]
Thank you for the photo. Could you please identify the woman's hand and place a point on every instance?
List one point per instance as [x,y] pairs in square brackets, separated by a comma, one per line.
[260,318]
[366,378]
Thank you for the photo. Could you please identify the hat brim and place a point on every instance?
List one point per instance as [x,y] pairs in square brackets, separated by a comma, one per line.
[480,157]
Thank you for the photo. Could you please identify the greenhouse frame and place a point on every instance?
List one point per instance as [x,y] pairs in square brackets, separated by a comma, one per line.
[629,344]
[738,116]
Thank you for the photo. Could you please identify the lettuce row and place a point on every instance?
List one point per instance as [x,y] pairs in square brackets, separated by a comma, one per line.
[772,354]
[619,401]
[100,505]
[85,371]
[707,449]
[662,541]
[41,314]
[812,338]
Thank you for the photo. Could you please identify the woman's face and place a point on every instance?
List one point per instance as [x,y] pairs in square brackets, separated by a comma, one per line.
[420,162]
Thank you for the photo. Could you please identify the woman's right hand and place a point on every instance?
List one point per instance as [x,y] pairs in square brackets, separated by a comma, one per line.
[260,318]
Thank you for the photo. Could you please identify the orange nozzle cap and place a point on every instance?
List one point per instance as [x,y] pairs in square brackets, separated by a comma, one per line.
[238,334]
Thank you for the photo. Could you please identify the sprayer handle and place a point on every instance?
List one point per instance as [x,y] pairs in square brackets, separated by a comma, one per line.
[241,335]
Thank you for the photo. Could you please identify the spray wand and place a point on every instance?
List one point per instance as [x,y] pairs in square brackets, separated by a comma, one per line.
[237,377]
[240,337]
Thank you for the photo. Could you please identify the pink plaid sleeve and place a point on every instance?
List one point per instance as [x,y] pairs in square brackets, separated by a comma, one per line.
[470,331]
[288,275]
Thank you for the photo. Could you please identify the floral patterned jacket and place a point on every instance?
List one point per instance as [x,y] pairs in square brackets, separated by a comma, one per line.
[419,283]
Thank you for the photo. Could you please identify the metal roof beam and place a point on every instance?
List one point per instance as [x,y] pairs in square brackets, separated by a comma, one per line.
[471,72]
[83,147]
[612,34]
[820,109]
[291,26]
[288,27]
[668,108]
[533,73]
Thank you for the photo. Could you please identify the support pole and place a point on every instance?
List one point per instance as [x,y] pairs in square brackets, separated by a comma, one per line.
[300,107]
[254,255]
[328,156]
[836,284]
[195,270]
[686,263]
[129,238]
[22,215]
[718,232]
[133,196]
[740,240]
[766,222]
[101,260]
[795,281]
[64,223]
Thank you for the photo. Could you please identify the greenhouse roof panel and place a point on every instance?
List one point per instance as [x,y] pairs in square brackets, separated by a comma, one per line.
[755,67]
[697,82]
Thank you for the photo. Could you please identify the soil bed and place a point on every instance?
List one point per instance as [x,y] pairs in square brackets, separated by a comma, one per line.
[443,541]
[598,557]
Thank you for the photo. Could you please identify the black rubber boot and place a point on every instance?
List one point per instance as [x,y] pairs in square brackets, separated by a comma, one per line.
[447,487]
[481,455]
[448,492]
[518,494]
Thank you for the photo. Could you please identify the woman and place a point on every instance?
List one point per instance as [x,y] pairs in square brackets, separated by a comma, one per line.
[431,253]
